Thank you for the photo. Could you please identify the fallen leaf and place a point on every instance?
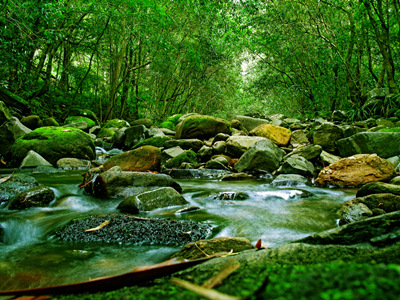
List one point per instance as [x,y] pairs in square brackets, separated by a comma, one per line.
[2,180]
[218,278]
[98,227]
[202,291]
[3,162]
[260,245]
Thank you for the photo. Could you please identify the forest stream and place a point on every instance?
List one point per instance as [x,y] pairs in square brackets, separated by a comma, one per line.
[32,257]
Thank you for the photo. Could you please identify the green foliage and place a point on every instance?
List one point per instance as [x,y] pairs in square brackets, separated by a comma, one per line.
[168,125]
[394,129]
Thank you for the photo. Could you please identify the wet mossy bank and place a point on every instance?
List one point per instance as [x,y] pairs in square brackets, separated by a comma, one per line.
[321,281]
[116,228]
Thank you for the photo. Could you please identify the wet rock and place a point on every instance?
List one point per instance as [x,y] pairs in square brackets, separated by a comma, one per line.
[362,207]
[46,169]
[154,131]
[279,135]
[54,143]
[289,180]
[231,196]
[202,127]
[202,248]
[262,155]
[73,164]
[186,144]
[188,156]
[236,176]
[155,141]
[126,184]
[378,188]
[205,153]
[133,230]
[354,212]
[186,209]
[326,135]
[10,131]
[16,184]
[309,152]
[356,170]
[384,144]
[119,137]
[32,122]
[328,158]
[219,162]
[368,231]
[237,145]
[299,137]
[297,165]
[151,200]
[219,147]
[33,159]
[220,137]
[196,173]
[141,159]
[39,196]
[170,153]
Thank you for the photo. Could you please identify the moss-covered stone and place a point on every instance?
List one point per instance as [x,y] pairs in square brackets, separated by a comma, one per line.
[202,127]
[54,143]
[116,123]
[39,196]
[32,122]
[50,122]
[174,119]
[168,125]
[145,122]
[84,113]
[105,132]
[75,119]
[185,157]
[156,141]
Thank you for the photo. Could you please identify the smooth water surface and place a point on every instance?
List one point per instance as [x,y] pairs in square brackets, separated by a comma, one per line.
[32,257]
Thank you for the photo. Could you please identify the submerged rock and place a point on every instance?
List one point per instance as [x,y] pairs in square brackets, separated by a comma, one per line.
[151,200]
[133,230]
[39,196]
[16,184]
[202,248]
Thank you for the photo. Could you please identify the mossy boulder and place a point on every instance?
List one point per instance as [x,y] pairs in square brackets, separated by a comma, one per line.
[39,196]
[84,113]
[141,159]
[106,132]
[76,119]
[54,143]
[10,131]
[145,122]
[116,123]
[50,122]
[32,122]
[188,156]
[174,119]
[185,144]
[202,127]
[155,141]
[168,125]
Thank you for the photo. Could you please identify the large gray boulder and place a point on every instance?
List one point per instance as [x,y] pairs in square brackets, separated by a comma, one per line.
[297,165]
[384,144]
[250,123]
[326,135]
[162,197]
[262,155]
[237,145]
[10,131]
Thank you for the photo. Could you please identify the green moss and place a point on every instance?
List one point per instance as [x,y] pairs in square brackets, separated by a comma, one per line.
[394,129]
[84,113]
[116,123]
[202,127]
[174,119]
[324,281]
[187,156]
[168,125]
[74,119]
[54,143]
[156,141]
[105,132]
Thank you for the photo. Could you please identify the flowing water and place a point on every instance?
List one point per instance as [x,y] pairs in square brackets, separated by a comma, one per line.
[32,257]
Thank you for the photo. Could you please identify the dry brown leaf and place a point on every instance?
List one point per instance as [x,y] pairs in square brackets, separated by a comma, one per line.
[202,291]
[260,245]
[2,180]
[98,227]
[218,278]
